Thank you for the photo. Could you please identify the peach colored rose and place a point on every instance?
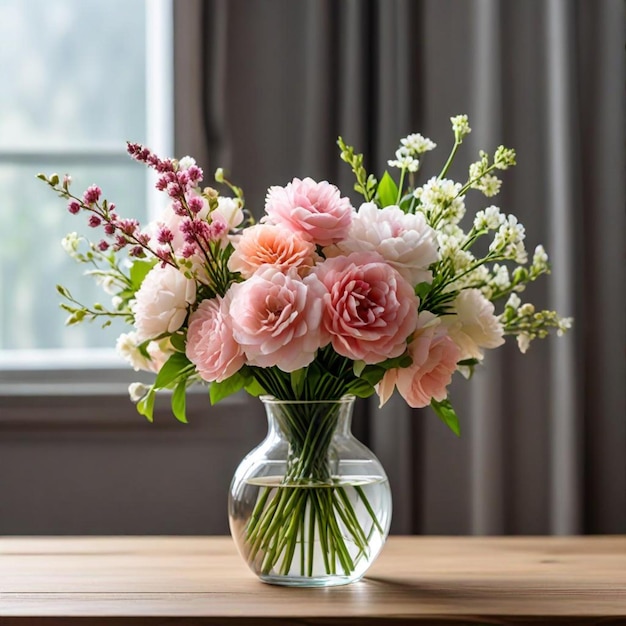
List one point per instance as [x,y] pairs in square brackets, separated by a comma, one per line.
[266,244]
[404,240]
[474,325]
[369,310]
[315,210]
[276,318]
[162,302]
[211,346]
[434,356]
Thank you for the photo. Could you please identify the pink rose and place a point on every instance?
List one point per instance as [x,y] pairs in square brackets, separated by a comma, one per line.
[315,210]
[210,343]
[276,318]
[266,244]
[369,310]
[434,356]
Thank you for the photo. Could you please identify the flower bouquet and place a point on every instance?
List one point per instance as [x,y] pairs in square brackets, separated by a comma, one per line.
[316,302]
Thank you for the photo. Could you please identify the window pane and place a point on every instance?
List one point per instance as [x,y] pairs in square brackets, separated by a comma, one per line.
[73,73]
[32,260]
[74,76]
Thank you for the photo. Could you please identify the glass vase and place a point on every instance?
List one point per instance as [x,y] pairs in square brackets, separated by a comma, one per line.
[310,506]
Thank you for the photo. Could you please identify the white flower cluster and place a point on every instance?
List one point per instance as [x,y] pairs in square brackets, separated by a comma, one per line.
[417,144]
[508,242]
[404,161]
[411,147]
[461,127]
[440,201]
[528,324]
[489,219]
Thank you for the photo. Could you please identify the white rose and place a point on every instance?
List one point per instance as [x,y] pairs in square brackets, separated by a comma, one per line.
[162,302]
[126,347]
[404,240]
[230,210]
[474,326]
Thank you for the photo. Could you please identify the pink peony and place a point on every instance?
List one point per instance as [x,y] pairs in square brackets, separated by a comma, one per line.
[404,240]
[211,346]
[276,318]
[369,310]
[315,210]
[265,244]
[162,302]
[434,356]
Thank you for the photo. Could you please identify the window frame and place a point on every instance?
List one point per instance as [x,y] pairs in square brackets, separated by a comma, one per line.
[57,385]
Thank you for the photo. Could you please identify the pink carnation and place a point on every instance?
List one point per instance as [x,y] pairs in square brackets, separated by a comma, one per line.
[435,358]
[210,343]
[266,244]
[315,210]
[370,309]
[276,318]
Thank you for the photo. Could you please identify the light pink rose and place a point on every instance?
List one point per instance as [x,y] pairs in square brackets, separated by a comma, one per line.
[276,318]
[474,325]
[404,240]
[211,346]
[369,310]
[315,210]
[434,356]
[266,244]
[162,302]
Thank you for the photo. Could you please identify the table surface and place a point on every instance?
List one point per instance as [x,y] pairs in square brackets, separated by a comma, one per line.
[422,580]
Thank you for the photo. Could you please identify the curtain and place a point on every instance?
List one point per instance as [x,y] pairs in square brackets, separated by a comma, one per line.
[264,88]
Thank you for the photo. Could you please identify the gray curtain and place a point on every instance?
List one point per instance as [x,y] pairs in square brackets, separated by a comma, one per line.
[268,86]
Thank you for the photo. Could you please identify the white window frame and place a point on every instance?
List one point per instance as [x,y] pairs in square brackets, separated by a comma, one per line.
[67,379]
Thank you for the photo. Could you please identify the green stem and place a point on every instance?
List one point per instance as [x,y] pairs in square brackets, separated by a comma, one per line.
[446,167]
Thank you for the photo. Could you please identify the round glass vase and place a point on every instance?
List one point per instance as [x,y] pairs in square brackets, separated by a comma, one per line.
[310,506]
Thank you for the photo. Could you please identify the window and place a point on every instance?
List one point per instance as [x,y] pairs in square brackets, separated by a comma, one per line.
[80,78]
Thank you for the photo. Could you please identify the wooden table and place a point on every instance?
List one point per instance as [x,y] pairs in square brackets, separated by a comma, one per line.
[141,581]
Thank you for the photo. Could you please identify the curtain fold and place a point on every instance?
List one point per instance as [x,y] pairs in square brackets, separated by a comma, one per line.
[271,84]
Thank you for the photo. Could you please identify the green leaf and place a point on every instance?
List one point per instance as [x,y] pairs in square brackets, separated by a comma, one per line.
[176,366]
[178,342]
[469,362]
[145,406]
[422,289]
[254,387]
[179,401]
[358,367]
[139,270]
[447,415]
[373,374]
[298,379]
[387,190]
[225,388]
[361,388]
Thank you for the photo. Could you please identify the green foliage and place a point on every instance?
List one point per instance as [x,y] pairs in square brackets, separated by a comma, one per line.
[447,415]
[220,390]
[387,193]
[139,270]
[366,184]
[176,367]
[145,406]
[179,401]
